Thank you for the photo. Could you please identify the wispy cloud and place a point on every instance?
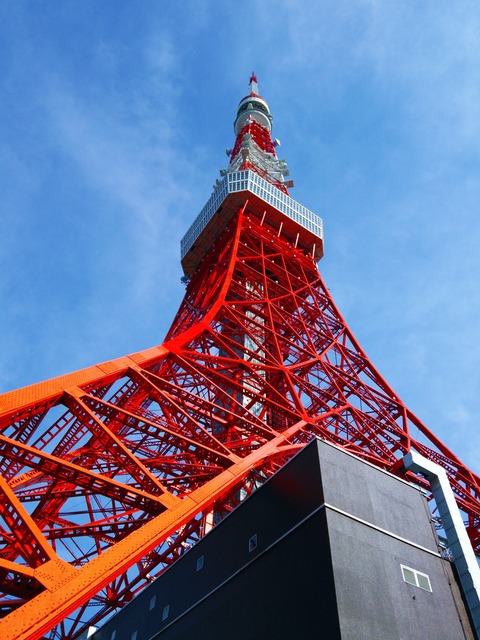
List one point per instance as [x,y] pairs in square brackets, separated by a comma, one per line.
[113,137]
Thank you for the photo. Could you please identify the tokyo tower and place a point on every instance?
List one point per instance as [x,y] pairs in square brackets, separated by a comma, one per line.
[111,473]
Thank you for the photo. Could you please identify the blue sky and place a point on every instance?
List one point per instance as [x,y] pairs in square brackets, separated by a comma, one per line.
[115,118]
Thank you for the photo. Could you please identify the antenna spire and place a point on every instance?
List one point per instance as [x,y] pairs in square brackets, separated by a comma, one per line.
[253,84]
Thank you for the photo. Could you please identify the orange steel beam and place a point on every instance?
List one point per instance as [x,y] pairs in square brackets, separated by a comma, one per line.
[73,587]
[49,391]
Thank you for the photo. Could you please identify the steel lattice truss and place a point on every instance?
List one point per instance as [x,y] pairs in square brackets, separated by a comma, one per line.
[111,473]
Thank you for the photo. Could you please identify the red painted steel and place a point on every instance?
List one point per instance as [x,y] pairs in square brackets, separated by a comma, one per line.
[108,475]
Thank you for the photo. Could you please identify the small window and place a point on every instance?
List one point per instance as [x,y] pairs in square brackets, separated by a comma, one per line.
[252,543]
[165,612]
[409,576]
[114,634]
[153,600]
[200,563]
[423,581]
[134,635]
[416,578]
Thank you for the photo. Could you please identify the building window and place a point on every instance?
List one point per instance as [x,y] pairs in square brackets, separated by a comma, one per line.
[417,578]
[252,543]
[134,636]
[114,634]
[165,612]
[200,563]
[152,603]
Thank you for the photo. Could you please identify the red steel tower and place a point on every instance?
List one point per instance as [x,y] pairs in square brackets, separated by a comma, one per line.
[110,473]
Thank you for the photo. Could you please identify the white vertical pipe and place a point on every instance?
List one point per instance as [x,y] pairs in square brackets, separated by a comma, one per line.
[452,522]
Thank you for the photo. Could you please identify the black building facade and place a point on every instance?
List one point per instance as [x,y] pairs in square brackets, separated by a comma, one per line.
[329,548]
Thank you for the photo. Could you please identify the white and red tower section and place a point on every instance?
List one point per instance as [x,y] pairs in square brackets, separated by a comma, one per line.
[111,473]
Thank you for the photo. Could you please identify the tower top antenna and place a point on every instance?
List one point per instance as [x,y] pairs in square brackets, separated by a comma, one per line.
[253,84]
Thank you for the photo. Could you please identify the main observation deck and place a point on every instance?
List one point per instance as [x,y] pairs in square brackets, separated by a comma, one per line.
[292,220]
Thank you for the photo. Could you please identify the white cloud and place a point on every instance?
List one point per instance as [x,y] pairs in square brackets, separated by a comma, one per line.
[377,108]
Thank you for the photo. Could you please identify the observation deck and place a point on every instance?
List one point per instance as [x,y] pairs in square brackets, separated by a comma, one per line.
[293,221]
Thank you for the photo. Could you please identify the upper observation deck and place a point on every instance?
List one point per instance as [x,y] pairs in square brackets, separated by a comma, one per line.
[293,221]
